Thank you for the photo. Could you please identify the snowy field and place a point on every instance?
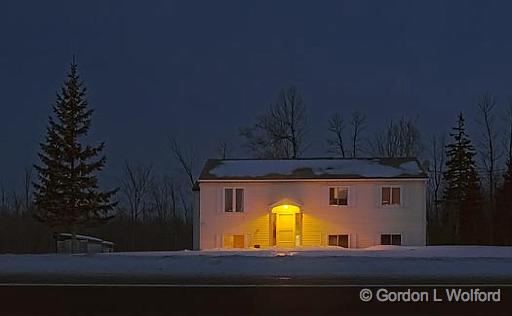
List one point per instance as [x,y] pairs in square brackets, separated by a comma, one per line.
[326,265]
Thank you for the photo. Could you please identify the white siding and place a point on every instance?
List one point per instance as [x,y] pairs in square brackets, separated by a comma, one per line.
[364,219]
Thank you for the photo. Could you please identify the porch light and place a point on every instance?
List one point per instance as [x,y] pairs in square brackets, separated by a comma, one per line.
[286,209]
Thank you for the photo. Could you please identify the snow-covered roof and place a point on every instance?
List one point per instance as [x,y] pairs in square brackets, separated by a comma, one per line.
[313,168]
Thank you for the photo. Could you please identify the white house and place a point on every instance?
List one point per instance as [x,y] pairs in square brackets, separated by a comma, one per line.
[354,203]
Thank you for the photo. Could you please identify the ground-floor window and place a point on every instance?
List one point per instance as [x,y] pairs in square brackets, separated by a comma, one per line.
[391,239]
[233,241]
[338,240]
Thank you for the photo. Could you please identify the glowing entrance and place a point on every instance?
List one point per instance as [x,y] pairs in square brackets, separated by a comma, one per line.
[286,221]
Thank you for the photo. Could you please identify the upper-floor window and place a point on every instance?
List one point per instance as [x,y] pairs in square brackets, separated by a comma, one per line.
[233,200]
[390,195]
[338,196]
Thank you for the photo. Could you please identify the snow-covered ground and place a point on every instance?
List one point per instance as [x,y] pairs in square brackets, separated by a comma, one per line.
[404,264]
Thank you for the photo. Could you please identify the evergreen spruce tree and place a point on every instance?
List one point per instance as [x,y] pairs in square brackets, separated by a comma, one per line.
[67,193]
[503,215]
[462,197]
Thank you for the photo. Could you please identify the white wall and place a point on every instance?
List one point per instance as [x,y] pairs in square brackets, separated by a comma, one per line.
[364,219]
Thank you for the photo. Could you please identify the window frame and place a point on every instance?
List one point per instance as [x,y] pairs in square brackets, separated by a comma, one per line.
[232,236]
[233,199]
[391,187]
[337,240]
[391,239]
[339,187]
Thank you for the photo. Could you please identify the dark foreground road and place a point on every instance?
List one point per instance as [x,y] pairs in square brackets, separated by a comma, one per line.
[96,299]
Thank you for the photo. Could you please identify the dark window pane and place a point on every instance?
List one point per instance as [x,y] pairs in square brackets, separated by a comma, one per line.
[385,239]
[395,199]
[228,200]
[386,198]
[343,241]
[342,196]
[333,240]
[396,240]
[239,200]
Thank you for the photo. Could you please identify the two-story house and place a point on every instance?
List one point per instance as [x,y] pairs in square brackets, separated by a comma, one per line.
[353,203]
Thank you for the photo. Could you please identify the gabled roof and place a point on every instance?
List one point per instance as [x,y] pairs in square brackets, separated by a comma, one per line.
[311,168]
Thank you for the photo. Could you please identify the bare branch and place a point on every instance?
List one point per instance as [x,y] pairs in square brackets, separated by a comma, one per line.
[358,124]
[400,139]
[135,186]
[280,132]
[486,104]
[224,149]
[335,143]
[186,160]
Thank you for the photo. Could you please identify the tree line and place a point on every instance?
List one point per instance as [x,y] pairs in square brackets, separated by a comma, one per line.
[470,186]
[469,191]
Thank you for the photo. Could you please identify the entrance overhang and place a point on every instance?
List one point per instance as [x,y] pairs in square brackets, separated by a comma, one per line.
[286,206]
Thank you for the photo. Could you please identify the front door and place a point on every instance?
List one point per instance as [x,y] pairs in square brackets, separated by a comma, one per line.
[285,230]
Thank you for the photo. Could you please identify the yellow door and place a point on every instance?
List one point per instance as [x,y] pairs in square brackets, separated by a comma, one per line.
[285,230]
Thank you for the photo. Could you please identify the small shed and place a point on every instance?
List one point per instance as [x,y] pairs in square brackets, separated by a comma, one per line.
[72,243]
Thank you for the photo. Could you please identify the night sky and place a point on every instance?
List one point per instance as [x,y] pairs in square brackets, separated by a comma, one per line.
[200,70]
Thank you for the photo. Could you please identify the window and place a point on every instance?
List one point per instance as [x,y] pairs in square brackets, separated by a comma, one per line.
[338,196]
[338,240]
[233,200]
[228,200]
[391,239]
[390,196]
[239,200]
[234,241]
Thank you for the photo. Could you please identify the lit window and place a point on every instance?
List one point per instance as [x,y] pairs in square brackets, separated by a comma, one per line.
[338,196]
[390,196]
[391,239]
[233,201]
[234,241]
[338,240]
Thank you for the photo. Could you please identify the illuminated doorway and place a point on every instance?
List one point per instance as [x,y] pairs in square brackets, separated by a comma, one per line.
[286,226]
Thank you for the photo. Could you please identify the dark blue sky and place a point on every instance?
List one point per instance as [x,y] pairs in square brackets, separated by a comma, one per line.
[199,70]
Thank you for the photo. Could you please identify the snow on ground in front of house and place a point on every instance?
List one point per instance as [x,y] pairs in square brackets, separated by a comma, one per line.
[332,251]
[438,262]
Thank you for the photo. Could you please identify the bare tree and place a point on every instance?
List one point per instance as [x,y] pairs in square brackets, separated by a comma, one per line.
[14,202]
[186,159]
[163,198]
[508,125]
[335,141]
[488,151]
[3,198]
[187,206]
[437,156]
[400,139]
[358,124]
[224,149]
[27,188]
[280,132]
[135,186]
